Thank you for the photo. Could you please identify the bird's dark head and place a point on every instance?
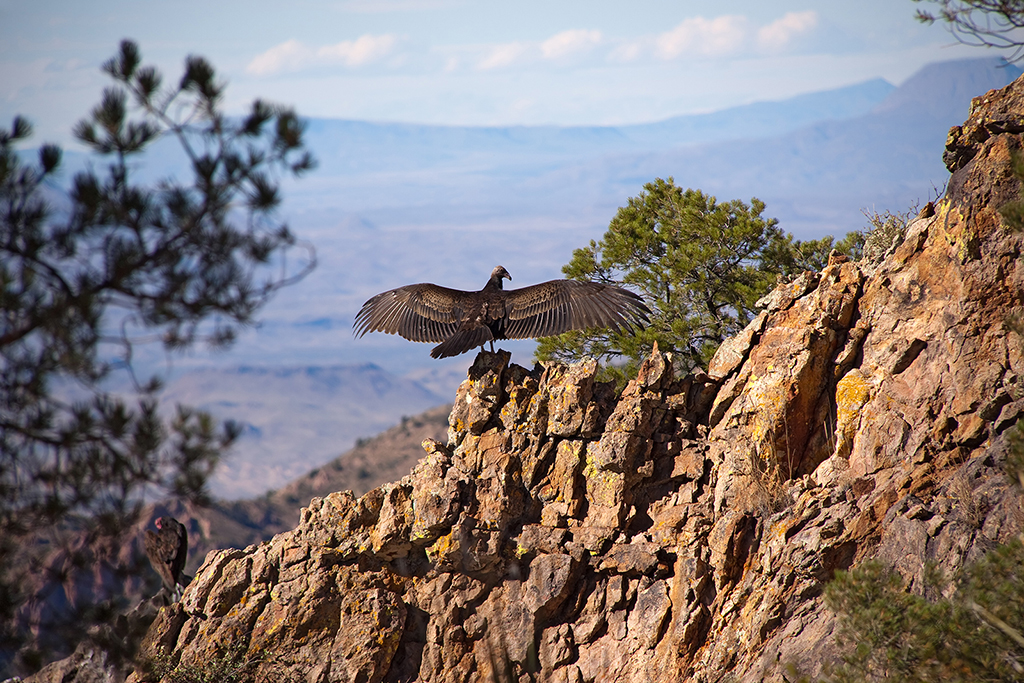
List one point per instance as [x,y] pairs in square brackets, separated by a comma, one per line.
[499,274]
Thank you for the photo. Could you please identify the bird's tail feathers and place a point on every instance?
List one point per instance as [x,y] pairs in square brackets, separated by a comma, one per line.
[464,339]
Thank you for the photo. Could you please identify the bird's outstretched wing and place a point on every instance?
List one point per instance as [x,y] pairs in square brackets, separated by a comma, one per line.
[558,306]
[422,313]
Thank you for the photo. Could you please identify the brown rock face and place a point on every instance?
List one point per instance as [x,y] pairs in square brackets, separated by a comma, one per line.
[684,529]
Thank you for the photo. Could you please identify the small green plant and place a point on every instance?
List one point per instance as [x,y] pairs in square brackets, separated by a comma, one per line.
[886,231]
[233,665]
[1013,212]
[892,635]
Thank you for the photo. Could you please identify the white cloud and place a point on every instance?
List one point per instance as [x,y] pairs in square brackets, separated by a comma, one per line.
[778,35]
[629,51]
[559,47]
[293,56]
[502,55]
[705,37]
[288,56]
[695,37]
[566,43]
[724,36]
[362,50]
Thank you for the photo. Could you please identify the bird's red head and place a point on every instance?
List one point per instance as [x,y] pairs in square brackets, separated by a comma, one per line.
[159,523]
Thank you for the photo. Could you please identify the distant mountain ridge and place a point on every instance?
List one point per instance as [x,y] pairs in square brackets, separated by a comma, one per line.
[944,87]
[825,174]
[355,146]
[765,119]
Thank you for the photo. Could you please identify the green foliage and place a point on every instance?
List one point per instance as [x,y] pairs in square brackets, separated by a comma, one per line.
[1013,212]
[700,264]
[895,636]
[890,634]
[972,630]
[983,23]
[1015,458]
[233,665]
[117,263]
[813,254]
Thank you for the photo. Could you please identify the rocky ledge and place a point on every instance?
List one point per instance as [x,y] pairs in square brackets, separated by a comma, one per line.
[682,529]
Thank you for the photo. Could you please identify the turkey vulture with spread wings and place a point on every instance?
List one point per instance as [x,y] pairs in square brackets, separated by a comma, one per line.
[462,321]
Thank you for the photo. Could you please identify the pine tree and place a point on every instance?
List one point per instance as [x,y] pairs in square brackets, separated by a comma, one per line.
[701,265]
[88,272]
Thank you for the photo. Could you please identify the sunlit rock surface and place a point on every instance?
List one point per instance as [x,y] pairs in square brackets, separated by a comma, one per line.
[685,528]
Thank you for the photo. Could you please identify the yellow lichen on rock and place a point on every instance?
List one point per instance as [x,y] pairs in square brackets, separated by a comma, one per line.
[852,392]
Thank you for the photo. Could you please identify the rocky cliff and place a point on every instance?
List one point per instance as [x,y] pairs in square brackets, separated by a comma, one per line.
[236,524]
[682,529]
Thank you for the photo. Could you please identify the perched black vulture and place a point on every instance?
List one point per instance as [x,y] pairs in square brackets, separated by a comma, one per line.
[462,321]
[167,551]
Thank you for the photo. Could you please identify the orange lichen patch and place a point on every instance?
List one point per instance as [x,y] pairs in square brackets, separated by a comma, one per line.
[766,405]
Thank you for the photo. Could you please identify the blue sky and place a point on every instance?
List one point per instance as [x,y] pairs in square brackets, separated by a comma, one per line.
[467,61]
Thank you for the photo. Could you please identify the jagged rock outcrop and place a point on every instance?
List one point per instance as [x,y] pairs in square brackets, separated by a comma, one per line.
[684,529]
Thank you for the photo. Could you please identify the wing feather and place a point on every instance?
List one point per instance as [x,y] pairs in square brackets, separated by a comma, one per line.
[422,312]
[558,306]
[601,310]
[581,313]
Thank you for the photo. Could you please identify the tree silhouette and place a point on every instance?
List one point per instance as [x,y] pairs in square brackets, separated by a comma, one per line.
[982,23]
[88,272]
